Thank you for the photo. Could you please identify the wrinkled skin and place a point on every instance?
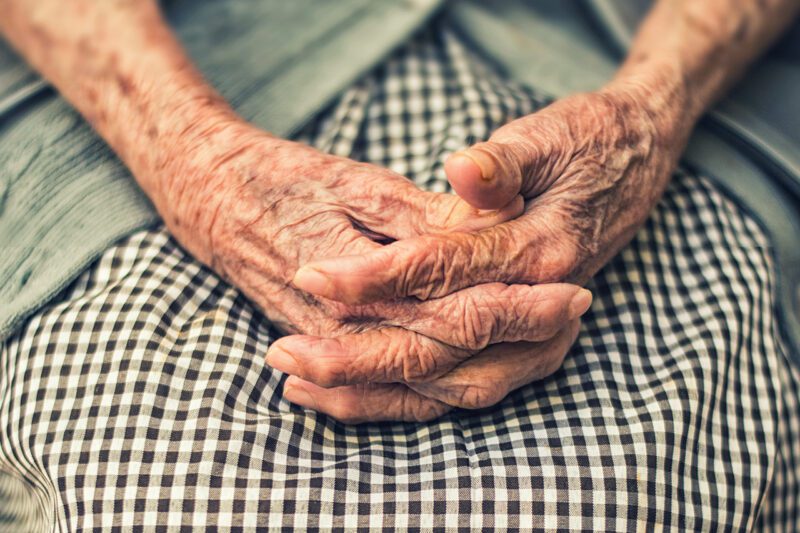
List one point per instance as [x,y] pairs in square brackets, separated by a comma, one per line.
[265,206]
[590,168]
[256,208]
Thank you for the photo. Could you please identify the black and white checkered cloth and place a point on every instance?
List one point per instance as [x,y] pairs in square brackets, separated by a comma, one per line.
[139,400]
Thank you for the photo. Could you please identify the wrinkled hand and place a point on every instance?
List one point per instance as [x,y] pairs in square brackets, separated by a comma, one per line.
[256,208]
[590,168]
[381,389]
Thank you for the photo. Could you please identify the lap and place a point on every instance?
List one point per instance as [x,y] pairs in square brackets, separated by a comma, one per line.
[141,397]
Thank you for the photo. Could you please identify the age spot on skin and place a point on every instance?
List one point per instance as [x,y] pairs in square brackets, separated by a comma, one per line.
[742,29]
[126,86]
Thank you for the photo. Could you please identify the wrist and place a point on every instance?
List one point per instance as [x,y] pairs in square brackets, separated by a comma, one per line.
[184,160]
[164,116]
[662,99]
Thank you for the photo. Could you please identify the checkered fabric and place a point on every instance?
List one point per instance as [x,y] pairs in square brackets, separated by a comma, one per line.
[139,399]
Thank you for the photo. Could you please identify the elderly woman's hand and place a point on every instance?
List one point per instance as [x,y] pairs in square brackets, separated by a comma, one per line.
[255,208]
[590,168]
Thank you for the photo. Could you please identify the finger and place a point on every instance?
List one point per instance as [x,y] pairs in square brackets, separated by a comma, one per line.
[484,177]
[449,334]
[506,366]
[519,251]
[426,266]
[390,205]
[440,212]
[386,355]
[332,235]
[364,403]
[517,159]
[403,210]
[485,379]
[475,317]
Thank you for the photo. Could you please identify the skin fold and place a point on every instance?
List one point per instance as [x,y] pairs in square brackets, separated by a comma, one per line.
[403,303]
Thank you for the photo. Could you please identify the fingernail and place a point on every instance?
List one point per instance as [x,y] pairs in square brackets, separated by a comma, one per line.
[311,280]
[486,167]
[297,394]
[579,304]
[282,360]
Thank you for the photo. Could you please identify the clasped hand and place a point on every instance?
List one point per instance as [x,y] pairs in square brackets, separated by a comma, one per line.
[403,304]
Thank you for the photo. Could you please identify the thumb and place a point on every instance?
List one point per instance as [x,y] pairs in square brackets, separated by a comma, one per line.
[441,212]
[489,175]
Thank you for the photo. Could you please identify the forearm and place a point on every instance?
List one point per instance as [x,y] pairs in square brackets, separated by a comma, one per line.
[118,63]
[687,53]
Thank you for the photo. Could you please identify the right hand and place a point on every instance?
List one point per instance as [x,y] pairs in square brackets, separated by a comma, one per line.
[256,208]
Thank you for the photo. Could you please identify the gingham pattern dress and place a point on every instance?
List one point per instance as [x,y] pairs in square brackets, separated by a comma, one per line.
[139,399]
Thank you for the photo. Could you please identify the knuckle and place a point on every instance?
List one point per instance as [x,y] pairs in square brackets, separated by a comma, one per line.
[476,395]
[550,254]
[476,326]
[536,314]
[328,373]
[541,315]
[489,315]
[432,270]
[419,274]
[504,251]
[529,326]
[552,364]
[329,370]
[346,410]
[395,349]
[423,410]
[421,361]
[441,210]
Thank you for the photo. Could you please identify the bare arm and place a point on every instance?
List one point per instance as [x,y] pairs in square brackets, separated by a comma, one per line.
[118,63]
[688,53]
